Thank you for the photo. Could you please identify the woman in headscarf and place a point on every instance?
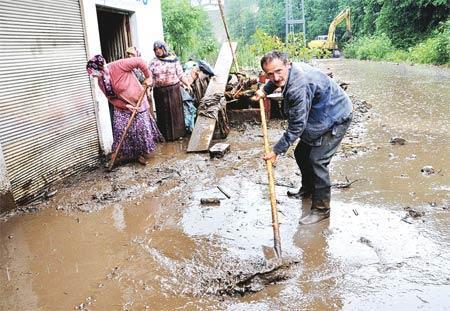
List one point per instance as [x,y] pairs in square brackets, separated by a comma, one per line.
[118,82]
[134,52]
[167,75]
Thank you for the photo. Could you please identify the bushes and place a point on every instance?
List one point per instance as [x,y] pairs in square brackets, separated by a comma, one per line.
[372,48]
[434,50]
[249,54]
[263,43]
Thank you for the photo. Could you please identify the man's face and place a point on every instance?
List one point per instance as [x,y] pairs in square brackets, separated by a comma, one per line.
[276,71]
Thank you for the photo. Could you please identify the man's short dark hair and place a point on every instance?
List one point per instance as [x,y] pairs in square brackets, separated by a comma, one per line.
[270,56]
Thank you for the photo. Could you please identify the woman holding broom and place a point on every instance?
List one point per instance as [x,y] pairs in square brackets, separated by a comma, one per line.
[119,84]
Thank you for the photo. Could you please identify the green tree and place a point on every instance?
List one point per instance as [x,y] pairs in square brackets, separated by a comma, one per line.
[318,15]
[399,29]
[245,16]
[409,21]
[241,18]
[188,30]
[364,13]
[271,17]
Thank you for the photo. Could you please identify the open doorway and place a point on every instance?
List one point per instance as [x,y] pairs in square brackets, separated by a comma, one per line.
[114,29]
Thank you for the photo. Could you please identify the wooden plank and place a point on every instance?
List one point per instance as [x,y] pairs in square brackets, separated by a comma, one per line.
[204,127]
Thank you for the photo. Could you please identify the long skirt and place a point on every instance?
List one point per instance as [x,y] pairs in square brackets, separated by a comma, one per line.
[142,135]
[169,111]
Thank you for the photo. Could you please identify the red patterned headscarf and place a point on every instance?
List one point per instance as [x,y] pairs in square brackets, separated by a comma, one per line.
[97,63]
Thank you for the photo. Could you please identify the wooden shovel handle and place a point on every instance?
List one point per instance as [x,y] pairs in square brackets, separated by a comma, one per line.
[273,199]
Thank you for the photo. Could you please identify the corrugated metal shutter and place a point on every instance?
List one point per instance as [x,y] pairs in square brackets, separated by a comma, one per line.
[48,127]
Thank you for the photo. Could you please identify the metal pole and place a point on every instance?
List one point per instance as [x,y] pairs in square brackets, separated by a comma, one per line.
[304,22]
[228,35]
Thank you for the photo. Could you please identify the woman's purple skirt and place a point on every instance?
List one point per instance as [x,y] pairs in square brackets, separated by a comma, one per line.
[142,135]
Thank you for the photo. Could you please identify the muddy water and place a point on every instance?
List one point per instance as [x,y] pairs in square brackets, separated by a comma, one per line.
[138,238]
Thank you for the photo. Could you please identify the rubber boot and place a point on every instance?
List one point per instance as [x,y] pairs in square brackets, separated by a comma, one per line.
[301,193]
[320,210]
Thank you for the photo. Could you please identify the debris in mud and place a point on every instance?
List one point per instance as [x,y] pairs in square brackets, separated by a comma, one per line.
[392,156]
[210,201]
[219,150]
[240,85]
[366,241]
[421,299]
[228,276]
[247,282]
[413,213]
[114,274]
[411,157]
[346,184]
[48,193]
[397,141]
[427,170]
[277,183]
[84,306]
[361,106]
[100,197]
[225,193]
[257,281]
[29,209]
[344,85]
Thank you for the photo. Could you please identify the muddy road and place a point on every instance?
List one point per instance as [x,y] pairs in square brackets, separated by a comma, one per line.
[139,239]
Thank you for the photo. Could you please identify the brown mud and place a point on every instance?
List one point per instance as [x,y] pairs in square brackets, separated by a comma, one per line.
[139,238]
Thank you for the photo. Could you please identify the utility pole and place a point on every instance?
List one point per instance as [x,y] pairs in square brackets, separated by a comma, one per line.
[291,20]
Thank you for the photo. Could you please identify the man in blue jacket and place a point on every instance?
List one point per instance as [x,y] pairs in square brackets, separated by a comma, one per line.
[319,113]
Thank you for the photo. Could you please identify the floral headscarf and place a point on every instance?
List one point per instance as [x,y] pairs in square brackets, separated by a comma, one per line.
[167,57]
[97,64]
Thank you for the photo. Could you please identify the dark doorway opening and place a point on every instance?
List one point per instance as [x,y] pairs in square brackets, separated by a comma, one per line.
[114,29]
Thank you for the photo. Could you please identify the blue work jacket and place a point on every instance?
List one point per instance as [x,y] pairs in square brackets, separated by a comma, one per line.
[313,103]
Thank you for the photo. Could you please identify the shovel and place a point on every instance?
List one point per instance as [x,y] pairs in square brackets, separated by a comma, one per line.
[273,200]
[124,134]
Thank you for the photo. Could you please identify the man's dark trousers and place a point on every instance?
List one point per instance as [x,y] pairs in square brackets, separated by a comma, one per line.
[313,162]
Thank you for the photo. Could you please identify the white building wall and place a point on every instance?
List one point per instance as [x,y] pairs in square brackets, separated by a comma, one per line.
[145,26]
[146,22]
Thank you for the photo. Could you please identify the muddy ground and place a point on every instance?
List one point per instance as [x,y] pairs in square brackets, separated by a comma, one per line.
[138,238]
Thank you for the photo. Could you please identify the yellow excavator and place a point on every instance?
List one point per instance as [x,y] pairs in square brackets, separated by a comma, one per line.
[329,41]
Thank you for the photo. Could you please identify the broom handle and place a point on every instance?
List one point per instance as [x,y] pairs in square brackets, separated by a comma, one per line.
[273,199]
[124,134]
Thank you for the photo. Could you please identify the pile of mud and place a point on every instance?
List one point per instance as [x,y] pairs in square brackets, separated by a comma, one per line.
[225,276]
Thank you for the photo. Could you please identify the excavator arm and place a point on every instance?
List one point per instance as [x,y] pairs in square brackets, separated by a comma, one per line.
[345,14]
